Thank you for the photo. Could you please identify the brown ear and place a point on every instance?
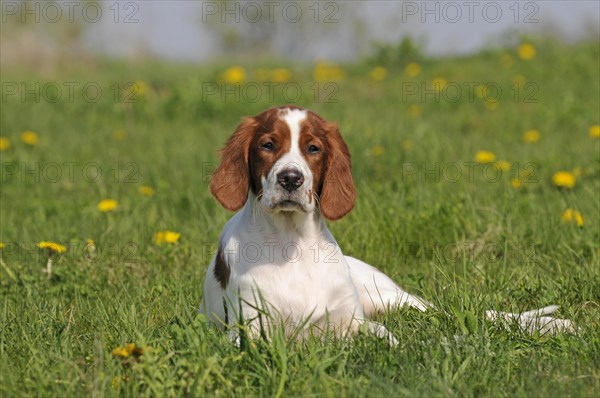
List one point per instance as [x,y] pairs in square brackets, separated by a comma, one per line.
[338,193]
[231,181]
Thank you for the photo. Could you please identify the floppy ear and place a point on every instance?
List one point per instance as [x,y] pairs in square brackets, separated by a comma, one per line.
[231,181]
[338,193]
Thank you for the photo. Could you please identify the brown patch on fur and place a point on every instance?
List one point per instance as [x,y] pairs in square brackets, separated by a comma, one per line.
[222,270]
[231,181]
[271,129]
[332,172]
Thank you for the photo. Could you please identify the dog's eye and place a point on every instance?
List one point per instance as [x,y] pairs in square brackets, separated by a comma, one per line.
[268,146]
[313,149]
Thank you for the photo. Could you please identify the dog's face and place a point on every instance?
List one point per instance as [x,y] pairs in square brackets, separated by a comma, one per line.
[292,160]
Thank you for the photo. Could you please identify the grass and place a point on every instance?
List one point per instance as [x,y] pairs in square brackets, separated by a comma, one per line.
[467,242]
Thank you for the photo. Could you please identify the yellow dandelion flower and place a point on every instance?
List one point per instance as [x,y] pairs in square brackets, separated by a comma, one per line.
[120,352]
[4,143]
[107,205]
[485,157]
[326,72]
[29,137]
[141,88]
[564,179]
[146,190]
[503,165]
[595,131]
[377,150]
[128,350]
[414,110]
[531,136]
[526,51]
[234,75]
[1,245]
[516,183]
[378,73]
[120,135]
[52,246]
[166,237]
[412,69]
[407,145]
[572,216]
[439,83]
[281,75]
[507,61]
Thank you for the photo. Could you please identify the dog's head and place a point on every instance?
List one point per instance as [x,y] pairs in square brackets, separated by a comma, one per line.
[291,159]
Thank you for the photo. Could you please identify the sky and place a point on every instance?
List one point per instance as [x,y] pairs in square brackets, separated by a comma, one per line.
[201,31]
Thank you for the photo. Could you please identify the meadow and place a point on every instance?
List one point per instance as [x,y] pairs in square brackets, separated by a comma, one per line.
[478,183]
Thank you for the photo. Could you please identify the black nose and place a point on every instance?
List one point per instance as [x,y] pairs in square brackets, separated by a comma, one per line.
[290,179]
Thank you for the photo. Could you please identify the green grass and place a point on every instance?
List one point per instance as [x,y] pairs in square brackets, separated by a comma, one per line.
[467,244]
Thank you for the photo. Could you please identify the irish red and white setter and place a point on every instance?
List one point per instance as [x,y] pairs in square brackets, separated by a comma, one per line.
[288,170]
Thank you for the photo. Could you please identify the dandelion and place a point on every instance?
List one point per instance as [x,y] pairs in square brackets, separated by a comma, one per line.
[564,179]
[234,75]
[572,216]
[141,88]
[414,110]
[377,150]
[281,75]
[412,69]
[516,183]
[439,83]
[531,136]
[378,73]
[326,72]
[503,165]
[107,205]
[119,135]
[166,237]
[595,131]
[51,248]
[29,137]
[485,157]
[128,352]
[526,51]
[4,143]
[146,190]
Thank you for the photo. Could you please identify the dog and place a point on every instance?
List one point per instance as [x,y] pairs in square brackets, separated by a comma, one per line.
[289,170]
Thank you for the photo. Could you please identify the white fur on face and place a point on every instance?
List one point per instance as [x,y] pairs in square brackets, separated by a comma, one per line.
[274,195]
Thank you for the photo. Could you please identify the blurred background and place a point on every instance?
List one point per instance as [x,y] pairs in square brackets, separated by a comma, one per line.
[204,31]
